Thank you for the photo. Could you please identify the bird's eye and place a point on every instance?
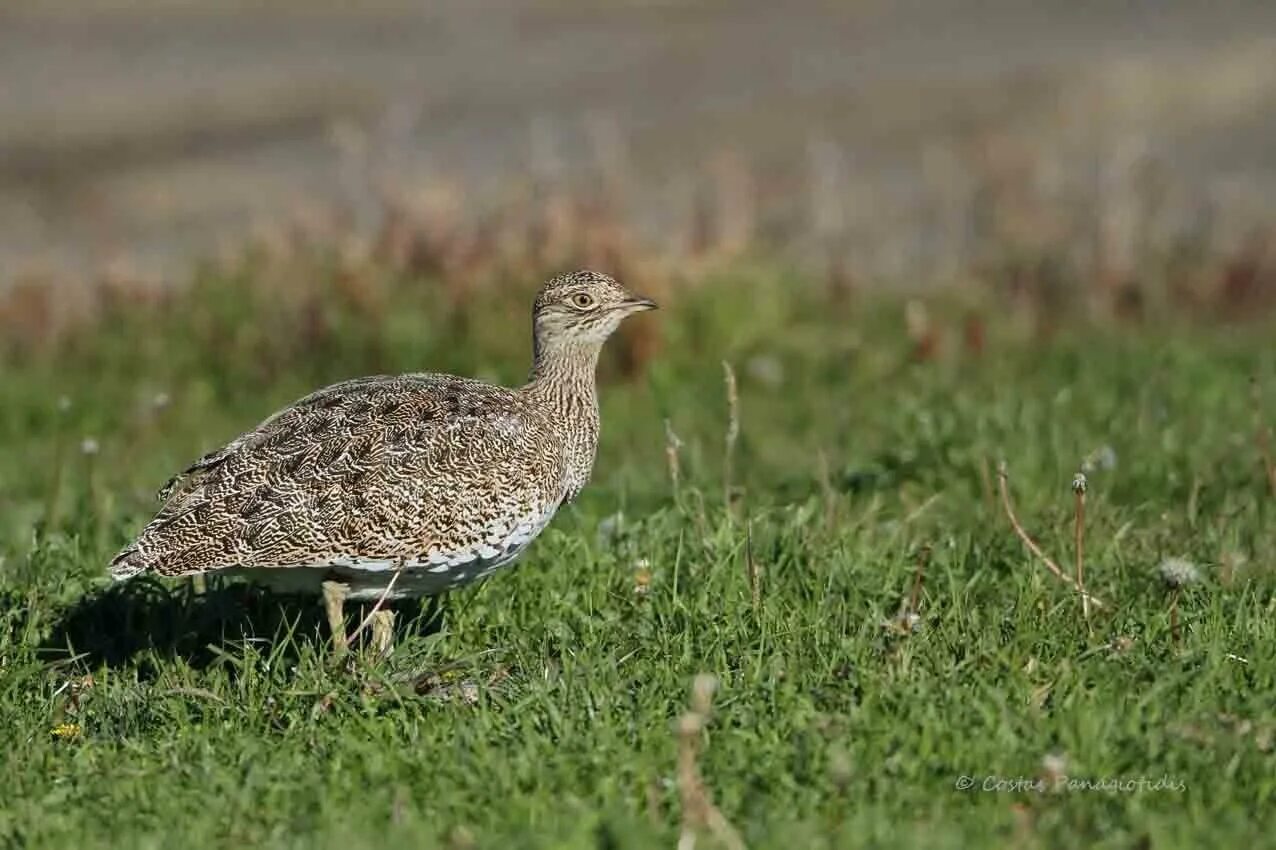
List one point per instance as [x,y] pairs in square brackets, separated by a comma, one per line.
[583,300]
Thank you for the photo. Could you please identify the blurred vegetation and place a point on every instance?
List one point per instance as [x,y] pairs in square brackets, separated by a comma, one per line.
[875,626]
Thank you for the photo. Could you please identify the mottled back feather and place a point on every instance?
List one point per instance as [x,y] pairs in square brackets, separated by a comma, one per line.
[418,469]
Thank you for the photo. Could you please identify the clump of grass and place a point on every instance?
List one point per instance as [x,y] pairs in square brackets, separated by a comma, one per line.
[1176,574]
[1002,478]
[699,814]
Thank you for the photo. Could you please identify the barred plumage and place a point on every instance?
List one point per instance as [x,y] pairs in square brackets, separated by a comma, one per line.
[437,478]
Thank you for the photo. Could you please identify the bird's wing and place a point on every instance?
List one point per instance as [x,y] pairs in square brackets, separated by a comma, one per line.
[372,468]
[304,408]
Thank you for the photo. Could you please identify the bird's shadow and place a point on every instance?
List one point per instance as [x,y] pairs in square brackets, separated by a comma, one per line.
[113,627]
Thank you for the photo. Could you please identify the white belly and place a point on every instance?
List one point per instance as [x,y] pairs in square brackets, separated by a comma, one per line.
[435,573]
[371,582]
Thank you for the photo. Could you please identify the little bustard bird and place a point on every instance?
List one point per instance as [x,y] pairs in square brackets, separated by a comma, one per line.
[397,486]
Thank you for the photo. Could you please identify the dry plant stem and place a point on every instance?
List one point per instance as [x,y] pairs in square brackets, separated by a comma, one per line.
[1032,544]
[698,811]
[1269,462]
[94,490]
[915,596]
[654,813]
[672,444]
[52,503]
[826,488]
[1080,550]
[701,515]
[755,584]
[376,606]
[1174,618]
[1263,437]
[985,480]
[733,434]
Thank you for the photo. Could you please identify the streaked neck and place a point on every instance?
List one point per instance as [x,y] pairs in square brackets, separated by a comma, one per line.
[563,374]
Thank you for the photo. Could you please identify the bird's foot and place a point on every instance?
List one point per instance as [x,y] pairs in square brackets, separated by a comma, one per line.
[383,631]
[334,603]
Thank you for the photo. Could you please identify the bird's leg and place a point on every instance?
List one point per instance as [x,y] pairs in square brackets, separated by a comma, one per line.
[383,631]
[334,602]
[377,616]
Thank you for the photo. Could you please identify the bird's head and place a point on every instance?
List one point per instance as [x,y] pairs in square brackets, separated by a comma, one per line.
[578,311]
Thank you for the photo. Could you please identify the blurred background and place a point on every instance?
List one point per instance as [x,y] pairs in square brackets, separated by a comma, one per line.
[897,244]
[889,140]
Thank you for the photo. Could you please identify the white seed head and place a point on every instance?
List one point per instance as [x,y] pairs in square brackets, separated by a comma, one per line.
[702,689]
[1079,483]
[1178,572]
[1054,764]
[89,446]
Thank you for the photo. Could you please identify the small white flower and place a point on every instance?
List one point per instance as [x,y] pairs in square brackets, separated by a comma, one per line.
[610,528]
[89,446]
[906,622]
[64,404]
[1101,459]
[1178,572]
[642,577]
[766,370]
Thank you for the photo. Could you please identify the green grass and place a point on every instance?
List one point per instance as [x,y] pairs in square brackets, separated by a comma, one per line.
[220,719]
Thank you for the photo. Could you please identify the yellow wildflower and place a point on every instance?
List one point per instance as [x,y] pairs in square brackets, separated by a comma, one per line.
[66,731]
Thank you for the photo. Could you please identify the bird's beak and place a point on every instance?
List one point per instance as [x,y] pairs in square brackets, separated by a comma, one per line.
[637,305]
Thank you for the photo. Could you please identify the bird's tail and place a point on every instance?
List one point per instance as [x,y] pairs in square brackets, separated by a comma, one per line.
[127,564]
